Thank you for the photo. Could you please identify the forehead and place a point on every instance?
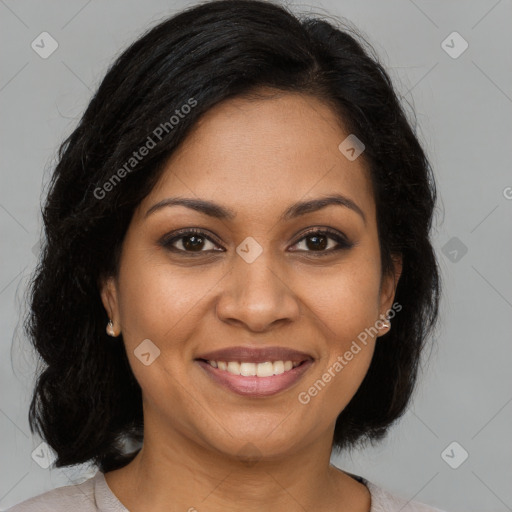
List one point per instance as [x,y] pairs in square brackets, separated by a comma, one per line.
[264,153]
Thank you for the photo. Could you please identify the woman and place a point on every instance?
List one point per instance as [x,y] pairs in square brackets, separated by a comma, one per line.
[232,228]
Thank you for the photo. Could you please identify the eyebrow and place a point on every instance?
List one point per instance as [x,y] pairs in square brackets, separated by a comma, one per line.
[221,212]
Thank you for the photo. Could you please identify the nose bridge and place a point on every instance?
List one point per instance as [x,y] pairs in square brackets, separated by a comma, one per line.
[260,275]
[257,293]
[256,277]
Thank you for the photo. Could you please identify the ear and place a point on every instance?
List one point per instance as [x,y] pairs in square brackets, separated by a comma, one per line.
[389,284]
[109,297]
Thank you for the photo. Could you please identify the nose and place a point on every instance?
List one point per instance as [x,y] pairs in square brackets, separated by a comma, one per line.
[257,295]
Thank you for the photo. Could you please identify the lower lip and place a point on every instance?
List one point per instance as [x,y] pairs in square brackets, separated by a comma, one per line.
[256,386]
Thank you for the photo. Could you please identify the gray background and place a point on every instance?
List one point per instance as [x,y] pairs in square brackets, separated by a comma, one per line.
[464,108]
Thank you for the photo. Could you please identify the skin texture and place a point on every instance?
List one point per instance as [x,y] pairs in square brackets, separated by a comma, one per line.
[256,157]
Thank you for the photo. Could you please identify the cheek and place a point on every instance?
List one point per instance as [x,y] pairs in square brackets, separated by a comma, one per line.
[155,303]
[167,307]
[329,390]
[345,298]
[157,316]
[346,306]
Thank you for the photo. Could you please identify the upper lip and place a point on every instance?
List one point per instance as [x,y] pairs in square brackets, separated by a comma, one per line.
[256,355]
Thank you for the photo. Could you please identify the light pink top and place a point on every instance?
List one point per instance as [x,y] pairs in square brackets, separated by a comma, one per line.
[94,495]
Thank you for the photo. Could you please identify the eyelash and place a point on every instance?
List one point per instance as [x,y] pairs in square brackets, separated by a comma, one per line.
[343,244]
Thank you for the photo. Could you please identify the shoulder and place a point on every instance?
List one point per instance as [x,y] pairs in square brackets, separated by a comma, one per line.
[385,501]
[79,498]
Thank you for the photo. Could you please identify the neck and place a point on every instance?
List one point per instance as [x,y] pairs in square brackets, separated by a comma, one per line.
[177,470]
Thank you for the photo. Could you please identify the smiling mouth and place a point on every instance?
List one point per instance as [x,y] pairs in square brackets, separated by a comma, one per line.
[248,369]
[255,380]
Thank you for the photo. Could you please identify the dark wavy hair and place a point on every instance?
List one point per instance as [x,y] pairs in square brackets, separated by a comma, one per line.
[87,404]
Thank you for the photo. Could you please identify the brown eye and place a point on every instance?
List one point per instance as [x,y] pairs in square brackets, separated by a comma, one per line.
[189,241]
[318,241]
[192,242]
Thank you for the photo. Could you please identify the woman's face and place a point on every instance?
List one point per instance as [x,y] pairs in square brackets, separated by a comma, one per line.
[256,279]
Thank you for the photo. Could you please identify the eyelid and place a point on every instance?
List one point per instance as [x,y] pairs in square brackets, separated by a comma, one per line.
[340,238]
[168,239]
[332,233]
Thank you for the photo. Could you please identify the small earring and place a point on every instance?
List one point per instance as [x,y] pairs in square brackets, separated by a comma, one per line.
[386,324]
[110,329]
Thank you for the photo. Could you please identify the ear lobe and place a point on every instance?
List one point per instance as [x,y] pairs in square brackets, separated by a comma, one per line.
[108,293]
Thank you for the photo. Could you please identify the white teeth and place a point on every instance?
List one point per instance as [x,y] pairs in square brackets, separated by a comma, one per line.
[266,369]
[278,367]
[248,369]
[234,367]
